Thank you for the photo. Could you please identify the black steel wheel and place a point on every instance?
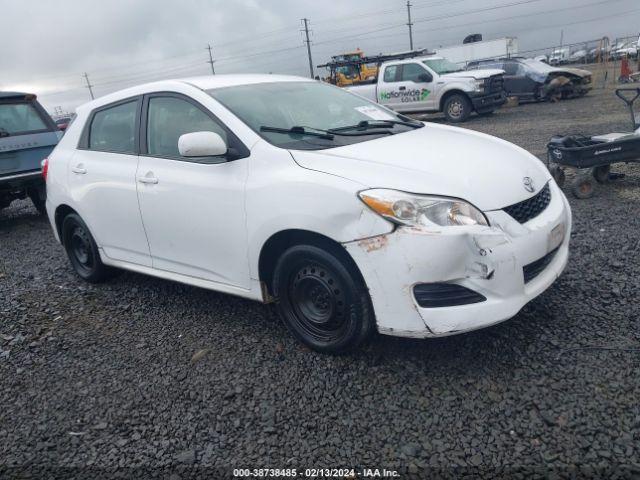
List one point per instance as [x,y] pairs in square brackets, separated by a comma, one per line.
[82,250]
[457,108]
[323,302]
[601,173]
[558,174]
[583,186]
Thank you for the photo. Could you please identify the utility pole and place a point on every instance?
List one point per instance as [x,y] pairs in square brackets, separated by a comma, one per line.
[561,37]
[305,21]
[409,24]
[210,62]
[89,86]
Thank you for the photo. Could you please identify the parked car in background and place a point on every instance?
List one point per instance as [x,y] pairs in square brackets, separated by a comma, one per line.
[63,122]
[27,136]
[350,217]
[627,50]
[579,56]
[532,80]
[434,84]
[559,56]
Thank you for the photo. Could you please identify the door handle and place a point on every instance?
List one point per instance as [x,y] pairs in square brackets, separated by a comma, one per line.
[148,180]
[402,88]
[79,169]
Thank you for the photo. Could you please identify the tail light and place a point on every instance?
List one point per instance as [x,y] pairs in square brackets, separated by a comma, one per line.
[45,168]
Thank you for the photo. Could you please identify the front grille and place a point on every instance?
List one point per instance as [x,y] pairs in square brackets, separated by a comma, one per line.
[532,207]
[432,295]
[534,269]
[496,84]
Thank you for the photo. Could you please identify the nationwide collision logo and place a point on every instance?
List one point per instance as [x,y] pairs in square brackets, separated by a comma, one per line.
[415,95]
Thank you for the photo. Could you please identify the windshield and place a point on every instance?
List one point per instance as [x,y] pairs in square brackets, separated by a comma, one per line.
[538,66]
[19,119]
[313,105]
[442,66]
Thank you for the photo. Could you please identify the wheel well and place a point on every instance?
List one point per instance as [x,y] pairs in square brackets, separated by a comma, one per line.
[446,96]
[278,243]
[61,212]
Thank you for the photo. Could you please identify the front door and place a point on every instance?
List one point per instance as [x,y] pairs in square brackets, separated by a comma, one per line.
[192,209]
[411,90]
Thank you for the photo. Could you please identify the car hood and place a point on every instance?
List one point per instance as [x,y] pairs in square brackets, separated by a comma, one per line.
[477,74]
[575,71]
[438,160]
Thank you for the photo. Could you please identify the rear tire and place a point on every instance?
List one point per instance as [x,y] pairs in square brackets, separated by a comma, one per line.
[583,186]
[82,250]
[322,301]
[457,108]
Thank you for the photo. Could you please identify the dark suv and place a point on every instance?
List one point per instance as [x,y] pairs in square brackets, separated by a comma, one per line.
[27,136]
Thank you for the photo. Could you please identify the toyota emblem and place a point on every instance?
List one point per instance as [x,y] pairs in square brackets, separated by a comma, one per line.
[528,184]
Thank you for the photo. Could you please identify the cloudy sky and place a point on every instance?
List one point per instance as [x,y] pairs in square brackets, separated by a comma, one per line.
[48,45]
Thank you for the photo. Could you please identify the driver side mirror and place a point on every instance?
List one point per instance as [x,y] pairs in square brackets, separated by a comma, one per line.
[202,144]
[425,78]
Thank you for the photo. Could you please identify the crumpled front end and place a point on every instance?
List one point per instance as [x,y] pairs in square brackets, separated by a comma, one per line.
[443,281]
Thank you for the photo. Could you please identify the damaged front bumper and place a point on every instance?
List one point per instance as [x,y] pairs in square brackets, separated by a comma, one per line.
[490,261]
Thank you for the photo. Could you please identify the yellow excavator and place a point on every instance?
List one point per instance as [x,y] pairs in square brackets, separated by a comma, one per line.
[350,70]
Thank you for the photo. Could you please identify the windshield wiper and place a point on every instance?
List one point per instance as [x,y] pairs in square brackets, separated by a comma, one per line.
[368,124]
[298,130]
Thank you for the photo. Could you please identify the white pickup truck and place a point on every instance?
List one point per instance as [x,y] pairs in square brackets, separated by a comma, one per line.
[434,84]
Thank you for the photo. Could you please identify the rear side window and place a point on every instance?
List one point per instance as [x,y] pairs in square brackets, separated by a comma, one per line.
[113,129]
[411,72]
[390,73]
[20,119]
[171,117]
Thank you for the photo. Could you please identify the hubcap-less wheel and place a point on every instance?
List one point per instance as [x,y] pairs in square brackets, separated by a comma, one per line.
[322,299]
[82,249]
[317,298]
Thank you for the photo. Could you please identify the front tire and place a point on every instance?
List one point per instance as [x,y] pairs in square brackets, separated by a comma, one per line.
[82,250]
[457,108]
[323,302]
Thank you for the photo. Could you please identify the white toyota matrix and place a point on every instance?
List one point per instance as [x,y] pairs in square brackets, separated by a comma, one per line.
[350,217]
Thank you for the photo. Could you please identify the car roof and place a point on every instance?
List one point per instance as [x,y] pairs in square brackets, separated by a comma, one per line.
[13,94]
[204,82]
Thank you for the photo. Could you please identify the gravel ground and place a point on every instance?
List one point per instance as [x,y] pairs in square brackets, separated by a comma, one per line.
[101,380]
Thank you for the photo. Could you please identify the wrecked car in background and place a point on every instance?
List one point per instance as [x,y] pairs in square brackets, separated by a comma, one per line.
[351,217]
[533,80]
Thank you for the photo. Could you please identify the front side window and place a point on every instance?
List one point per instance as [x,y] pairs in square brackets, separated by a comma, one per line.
[411,72]
[19,119]
[171,117]
[113,129]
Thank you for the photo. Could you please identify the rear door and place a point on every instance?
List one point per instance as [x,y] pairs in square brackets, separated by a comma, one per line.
[102,181]
[27,135]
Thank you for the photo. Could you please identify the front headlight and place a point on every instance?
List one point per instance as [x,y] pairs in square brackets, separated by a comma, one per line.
[480,84]
[422,210]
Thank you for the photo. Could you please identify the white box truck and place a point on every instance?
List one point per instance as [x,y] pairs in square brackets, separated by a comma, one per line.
[499,48]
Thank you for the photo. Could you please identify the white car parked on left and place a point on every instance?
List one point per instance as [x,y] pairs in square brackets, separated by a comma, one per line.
[351,217]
